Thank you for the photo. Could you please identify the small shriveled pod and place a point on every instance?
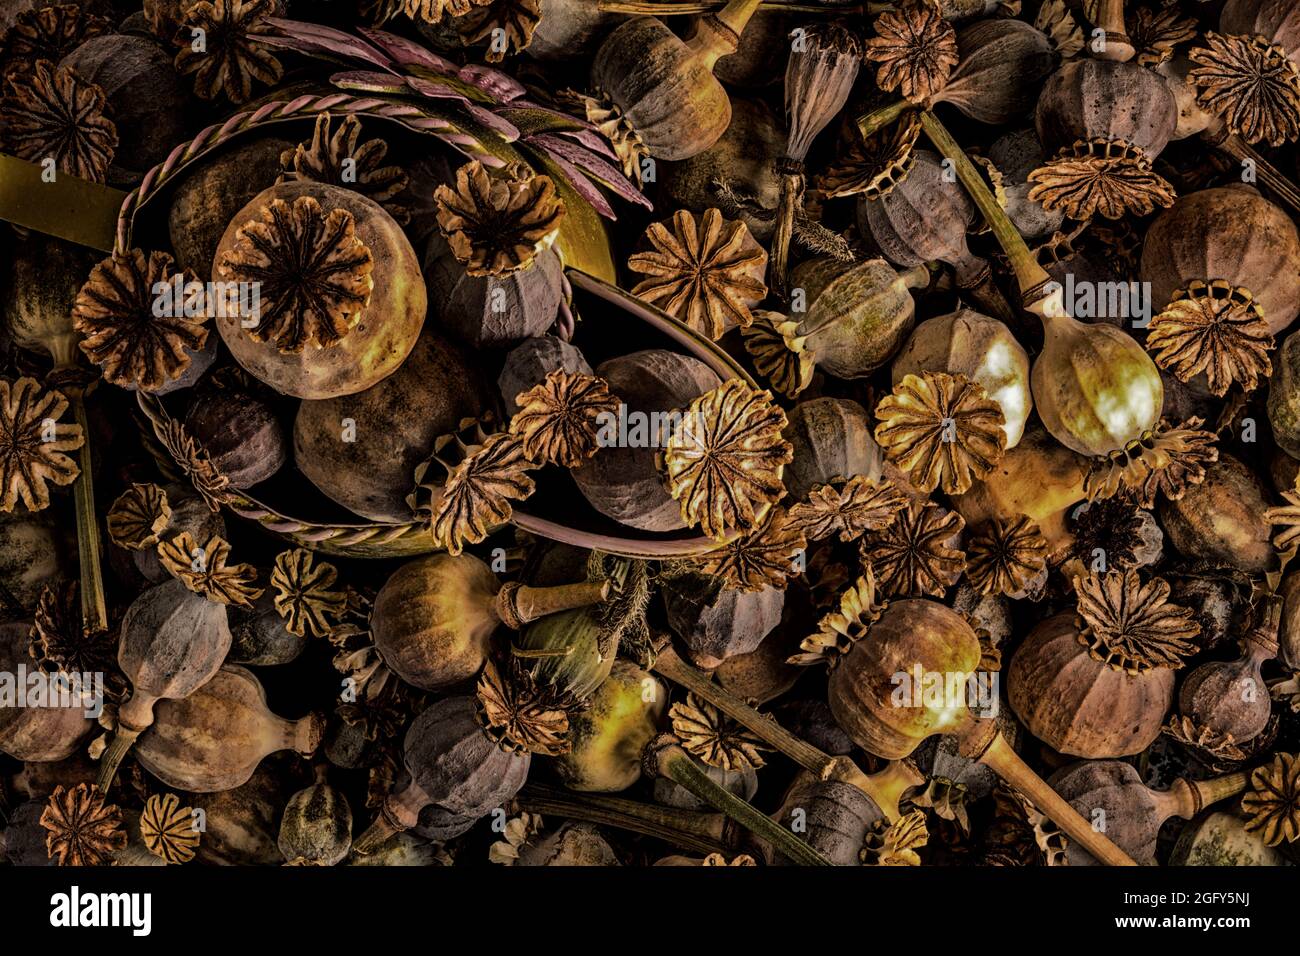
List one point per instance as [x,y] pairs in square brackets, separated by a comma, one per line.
[1002,65]
[1098,683]
[433,619]
[981,348]
[214,739]
[173,642]
[715,623]
[316,828]
[362,450]
[665,86]
[836,817]
[621,481]
[1222,518]
[1112,792]
[832,442]
[454,767]
[259,638]
[607,736]
[368,300]
[1229,698]
[34,733]
[1104,123]
[240,434]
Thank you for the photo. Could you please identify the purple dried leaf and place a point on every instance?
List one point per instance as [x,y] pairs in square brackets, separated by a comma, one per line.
[575,178]
[406,53]
[588,161]
[501,85]
[314,39]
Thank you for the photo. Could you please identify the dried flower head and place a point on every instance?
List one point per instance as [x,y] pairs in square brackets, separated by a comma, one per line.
[213,487]
[138,517]
[50,33]
[52,113]
[60,643]
[1273,803]
[508,25]
[559,421]
[941,429]
[1287,517]
[32,443]
[778,351]
[339,158]
[858,506]
[916,49]
[84,830]
[873,165]
[1055,21]
[516,833]
[705,732]
[1006,556]
[1100,177]
[1132,625]
[1216,329]
[1165,461]
[1155,33]
[838,631]
[609,121]
[496,225]
[204,570]
[304,594]
[478,492]
[764,558]
[725,456]
[1209,745]
[313,270]
[427,11]
[896,845]
[520,715]
[168,828]
[1113,525]
[1252,84]
[117,311]
[708,272]
[232,55]
[911,557]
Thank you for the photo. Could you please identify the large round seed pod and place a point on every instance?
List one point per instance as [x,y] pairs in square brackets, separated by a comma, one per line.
[1230,698]
[209,194]
[832,441]
[859,314]
[241,824]
[215,738]
[316,828]
[924,219]
[493,311]
[1284,396]
[529,362]
[665,86]
[241,435]
[258,637]
[569,653]
[741,160]
[1229,233]
[1221,520]
[389,322]
[836,818]
[1000,71]
[33,554]
[1090,99]
[34,733]
[40,292]
[621,481]
[715,623]
[981,348]
[1221,839]
[569,29]
[1080,705]
[362,449]
[608,734]
[145,98]
[765,673]
[909,634]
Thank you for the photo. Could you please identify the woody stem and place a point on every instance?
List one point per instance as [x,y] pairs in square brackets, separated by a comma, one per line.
[690,830]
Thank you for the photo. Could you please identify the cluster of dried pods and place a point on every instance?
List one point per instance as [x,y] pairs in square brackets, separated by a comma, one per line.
[625,451]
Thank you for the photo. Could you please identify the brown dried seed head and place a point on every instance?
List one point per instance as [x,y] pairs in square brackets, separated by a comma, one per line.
[138,517]
[764,558]
[1273,802]
[213,487]
[916,49]
[496,225]
[478,492]
[51,113]
[839,630]
[50,33]
[859,506]
[1132,625]
[337,157]
[1100,177]
[508,25]
[717,740]
[519,715]
[204,570]
[32,443]
[1253,85]
[873,165]
[83,829]
[1006,556]
[305,595]
[1216,329]
[233,57]
[911,557]
[779,352]
[168,828]
[559,420]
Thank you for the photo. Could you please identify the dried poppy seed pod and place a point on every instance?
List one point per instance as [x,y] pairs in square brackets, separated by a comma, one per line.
[1016,155]
[528,364]
[1221,520]
[40,293]
[1133,813]
[369,301]
[832,441]
[1221,839]
[215,738]
[621,481]
[715,623]
[569,29]
[259,637]
[33,554]
[242,823]
[173,642]
[434,617]
[1230,698]
[191,515]
[36,734]
[1002,66]
[316,829]
[569,654]
[241,435]
[1284,396]
[837,817]
[665,86]
[984,350]
[454,767]
[362,449]
[610,732]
